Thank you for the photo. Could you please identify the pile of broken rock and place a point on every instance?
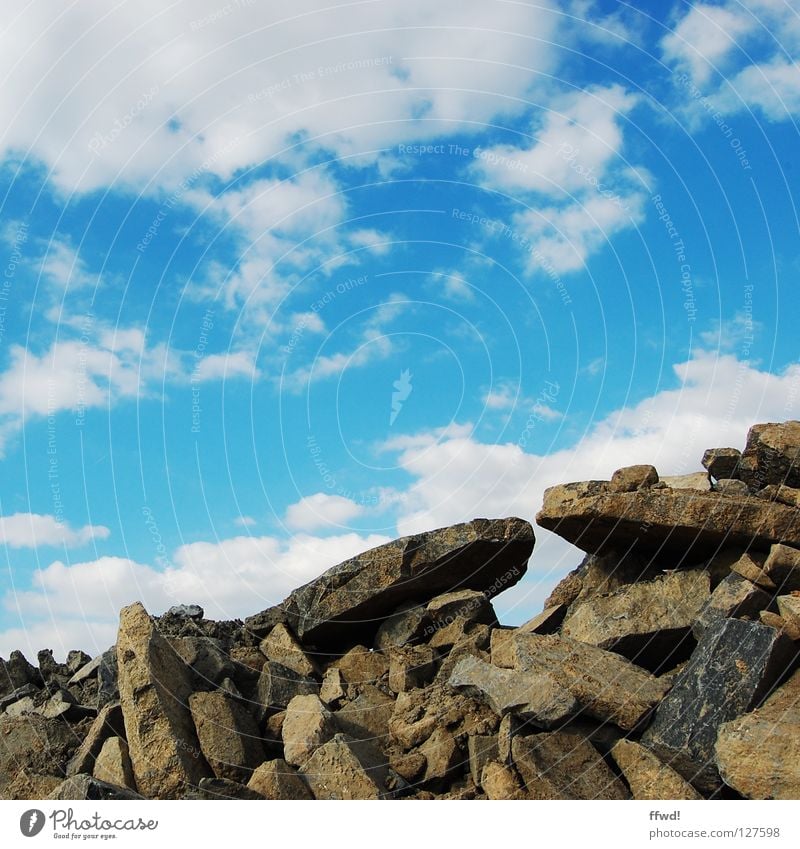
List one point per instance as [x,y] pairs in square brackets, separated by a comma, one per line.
[663,667]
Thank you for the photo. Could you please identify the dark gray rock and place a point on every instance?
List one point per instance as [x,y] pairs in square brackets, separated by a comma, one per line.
[77,660]
[353,598]
[107,678]
[210,789]
[186,611]
[16,672]
[722,462]
[84,786]
[23,692]
[261,624]
[733,668]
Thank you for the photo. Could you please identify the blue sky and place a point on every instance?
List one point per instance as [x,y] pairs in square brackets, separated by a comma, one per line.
[278,287]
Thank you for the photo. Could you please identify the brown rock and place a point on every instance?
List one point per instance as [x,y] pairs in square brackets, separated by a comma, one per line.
[646,621]
[731,488]
[502,647]
[680,526]
[695,480]
[758,754]
[36,745]
[734,598]
[533,696]
[647,777]
[782,566]
[722,462]
[777,492]
[603,684]
[560,765]
[406,625]
[282,646]
[332,690]
[342,769]
[411,667]
[85,787]
[751,566]
[789,609]
[367,716]
[631,478]
[772,455]
[354,597]
[442,755]
[113,764]
[362,666]
[566,591]
[277,780]
[500,782]
[109,723]
[546,622]
[278,685]
[774,620]
[154,686]
[408,765]
[307,726]
[228,735]
[481,750]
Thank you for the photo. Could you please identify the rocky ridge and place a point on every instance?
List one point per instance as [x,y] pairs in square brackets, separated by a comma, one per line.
[665,666]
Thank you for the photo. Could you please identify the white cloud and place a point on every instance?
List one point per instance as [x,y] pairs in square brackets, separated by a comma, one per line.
[773,87]
[452,286]
[32,530]
[245,521]
[504,395]
[144,94]
[737,332]
[63,267]
[321,511]
[225,366]
[704,38]
[77,605]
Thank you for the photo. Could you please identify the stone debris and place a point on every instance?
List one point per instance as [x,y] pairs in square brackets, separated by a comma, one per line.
[664,666]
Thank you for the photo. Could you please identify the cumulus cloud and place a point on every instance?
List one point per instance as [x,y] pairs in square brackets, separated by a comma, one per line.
[321,510]
[34,530]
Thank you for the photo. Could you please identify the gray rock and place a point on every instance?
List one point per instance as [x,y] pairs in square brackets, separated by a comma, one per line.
[86,787]
[406,625]
[733,598]
[355,596]
[16,672]
[278,685]
[108,723]
[733,667]
[25,691]
[722,462]
[731,487]
[186,611]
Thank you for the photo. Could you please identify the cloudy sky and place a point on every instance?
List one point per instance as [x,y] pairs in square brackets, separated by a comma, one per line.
[282,282]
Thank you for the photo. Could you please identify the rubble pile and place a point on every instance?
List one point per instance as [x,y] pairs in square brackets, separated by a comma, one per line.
[665,666]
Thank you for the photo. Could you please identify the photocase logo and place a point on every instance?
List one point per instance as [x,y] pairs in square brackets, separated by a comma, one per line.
[402,389]
[31,822]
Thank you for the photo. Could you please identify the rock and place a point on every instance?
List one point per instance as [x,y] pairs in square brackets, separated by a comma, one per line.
[733,667]
[442,755]
[782,566]
[603,684]
[677,526]
[113,764]
[154,692]
[603,574]
[332,690]
[646,622]
[536,697]
[76,660]
[777,492]
[281,646]
[631,478]
[502,647]
[481,750]
[353,597]
[205,657]
[411,667]
[409,766]
[85,787]
[734,598]
[362,666]
[773,620]
[277,686]
[501,782]
[262,623]
[277,780]
[30,785]
[772,455]
[26,691]
[560,765]
[341,769]
[87,670]
[212,789]
[567,590]
[367,716]
[733,488]
[695,480]
[38,746]
[647,777]
[789,609]
[16,672]
[228,735]
[758,754]
[722,462]
[406,625]
[472,644]
[307,726]
[186,611]
[108,723]
[107,678]
[751,566]
[546,622]
[470,606]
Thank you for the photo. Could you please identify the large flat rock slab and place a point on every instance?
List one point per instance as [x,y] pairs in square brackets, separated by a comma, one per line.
[354,597]
[684,525]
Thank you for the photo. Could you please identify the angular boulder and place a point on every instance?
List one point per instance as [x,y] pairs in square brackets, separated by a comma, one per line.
[343,769]
[307,726]
[722,463]
[758,754]
[734,597]
[733,667]
[155,686]
[86,787]
[772,455]
[113,764]
[277,780]
[354,597]
[647,777]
